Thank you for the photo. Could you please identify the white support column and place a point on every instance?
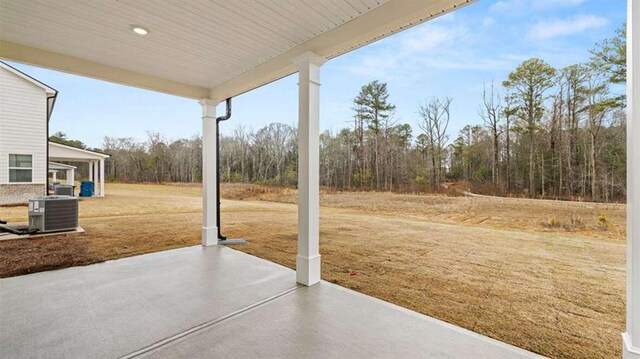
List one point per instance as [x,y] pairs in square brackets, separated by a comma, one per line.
[71,176]
[101,178]
[308,258]
[631,338]
[90,171]
[96,179]
[55,176]
[209,164]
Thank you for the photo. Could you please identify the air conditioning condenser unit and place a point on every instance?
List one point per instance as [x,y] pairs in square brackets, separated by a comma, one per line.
[53,213]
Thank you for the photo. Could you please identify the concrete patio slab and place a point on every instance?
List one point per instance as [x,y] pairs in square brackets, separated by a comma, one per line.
[328,321]
[214,302]
[5,236]
[110,309]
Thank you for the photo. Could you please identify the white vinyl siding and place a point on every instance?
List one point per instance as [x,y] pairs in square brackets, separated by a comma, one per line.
[23,125]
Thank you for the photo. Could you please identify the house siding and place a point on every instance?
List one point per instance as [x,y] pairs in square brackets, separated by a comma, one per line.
[23,127]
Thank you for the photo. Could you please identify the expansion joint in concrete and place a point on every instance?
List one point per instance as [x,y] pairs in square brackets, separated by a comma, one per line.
[200,327]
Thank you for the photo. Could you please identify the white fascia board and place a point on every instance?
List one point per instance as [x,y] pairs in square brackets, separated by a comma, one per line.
[385,20]
[55,61]
[79,153]
[60,166]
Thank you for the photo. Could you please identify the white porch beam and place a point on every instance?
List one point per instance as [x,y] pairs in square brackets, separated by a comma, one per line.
[101,178]
[631,338]
[55,61]
[308,258]
[209,164]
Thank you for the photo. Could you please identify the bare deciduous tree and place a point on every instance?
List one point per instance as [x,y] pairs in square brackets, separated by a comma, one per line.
[490,113]
[434,121]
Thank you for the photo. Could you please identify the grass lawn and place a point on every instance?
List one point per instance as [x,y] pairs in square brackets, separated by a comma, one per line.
[542,275]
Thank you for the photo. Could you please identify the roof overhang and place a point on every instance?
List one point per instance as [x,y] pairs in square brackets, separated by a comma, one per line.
[60,152]
[60,166]
[93,42]
[55,61]
[47,89]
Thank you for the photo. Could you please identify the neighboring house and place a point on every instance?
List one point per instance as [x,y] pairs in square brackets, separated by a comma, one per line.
[94,160]
[25,109]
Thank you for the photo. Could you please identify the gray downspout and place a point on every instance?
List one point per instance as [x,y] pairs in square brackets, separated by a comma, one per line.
[218,120]
[51,102]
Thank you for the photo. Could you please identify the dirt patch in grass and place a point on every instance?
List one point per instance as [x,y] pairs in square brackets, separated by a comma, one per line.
[24,256]
[499,267]
[105,238]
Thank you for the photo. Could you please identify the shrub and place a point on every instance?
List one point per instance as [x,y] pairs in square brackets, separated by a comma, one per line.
[553,222]
[421,181]
[603,221]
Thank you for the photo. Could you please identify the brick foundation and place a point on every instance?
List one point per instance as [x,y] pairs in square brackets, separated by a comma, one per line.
[20,193]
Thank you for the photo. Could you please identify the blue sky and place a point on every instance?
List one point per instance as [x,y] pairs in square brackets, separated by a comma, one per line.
[450,56]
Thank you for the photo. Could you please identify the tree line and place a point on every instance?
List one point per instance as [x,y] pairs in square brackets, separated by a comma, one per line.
[542,132]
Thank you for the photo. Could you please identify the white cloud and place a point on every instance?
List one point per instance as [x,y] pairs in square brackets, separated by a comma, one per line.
[488,21]
[430,37]
[548,29]
[546,4]
[519,6]
[428,48]
[452,44]
[408,51]
[372,65]
[448,17]
[508,6]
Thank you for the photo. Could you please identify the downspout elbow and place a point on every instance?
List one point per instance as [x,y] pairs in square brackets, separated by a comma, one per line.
[228,114]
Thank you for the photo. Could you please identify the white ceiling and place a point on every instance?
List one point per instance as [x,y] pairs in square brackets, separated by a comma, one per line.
[196,45]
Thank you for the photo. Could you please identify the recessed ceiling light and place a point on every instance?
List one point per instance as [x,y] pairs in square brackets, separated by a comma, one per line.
[139,30]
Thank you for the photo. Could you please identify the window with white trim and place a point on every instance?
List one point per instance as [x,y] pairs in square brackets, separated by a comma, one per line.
[20,168]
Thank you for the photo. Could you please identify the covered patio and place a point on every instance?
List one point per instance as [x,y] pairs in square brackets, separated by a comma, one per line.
[211,301]
[69,171]
[214,302]
[94,160]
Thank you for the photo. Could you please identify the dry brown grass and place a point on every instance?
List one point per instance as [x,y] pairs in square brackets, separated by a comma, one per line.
[494,266]
[131,220]
[571,218]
